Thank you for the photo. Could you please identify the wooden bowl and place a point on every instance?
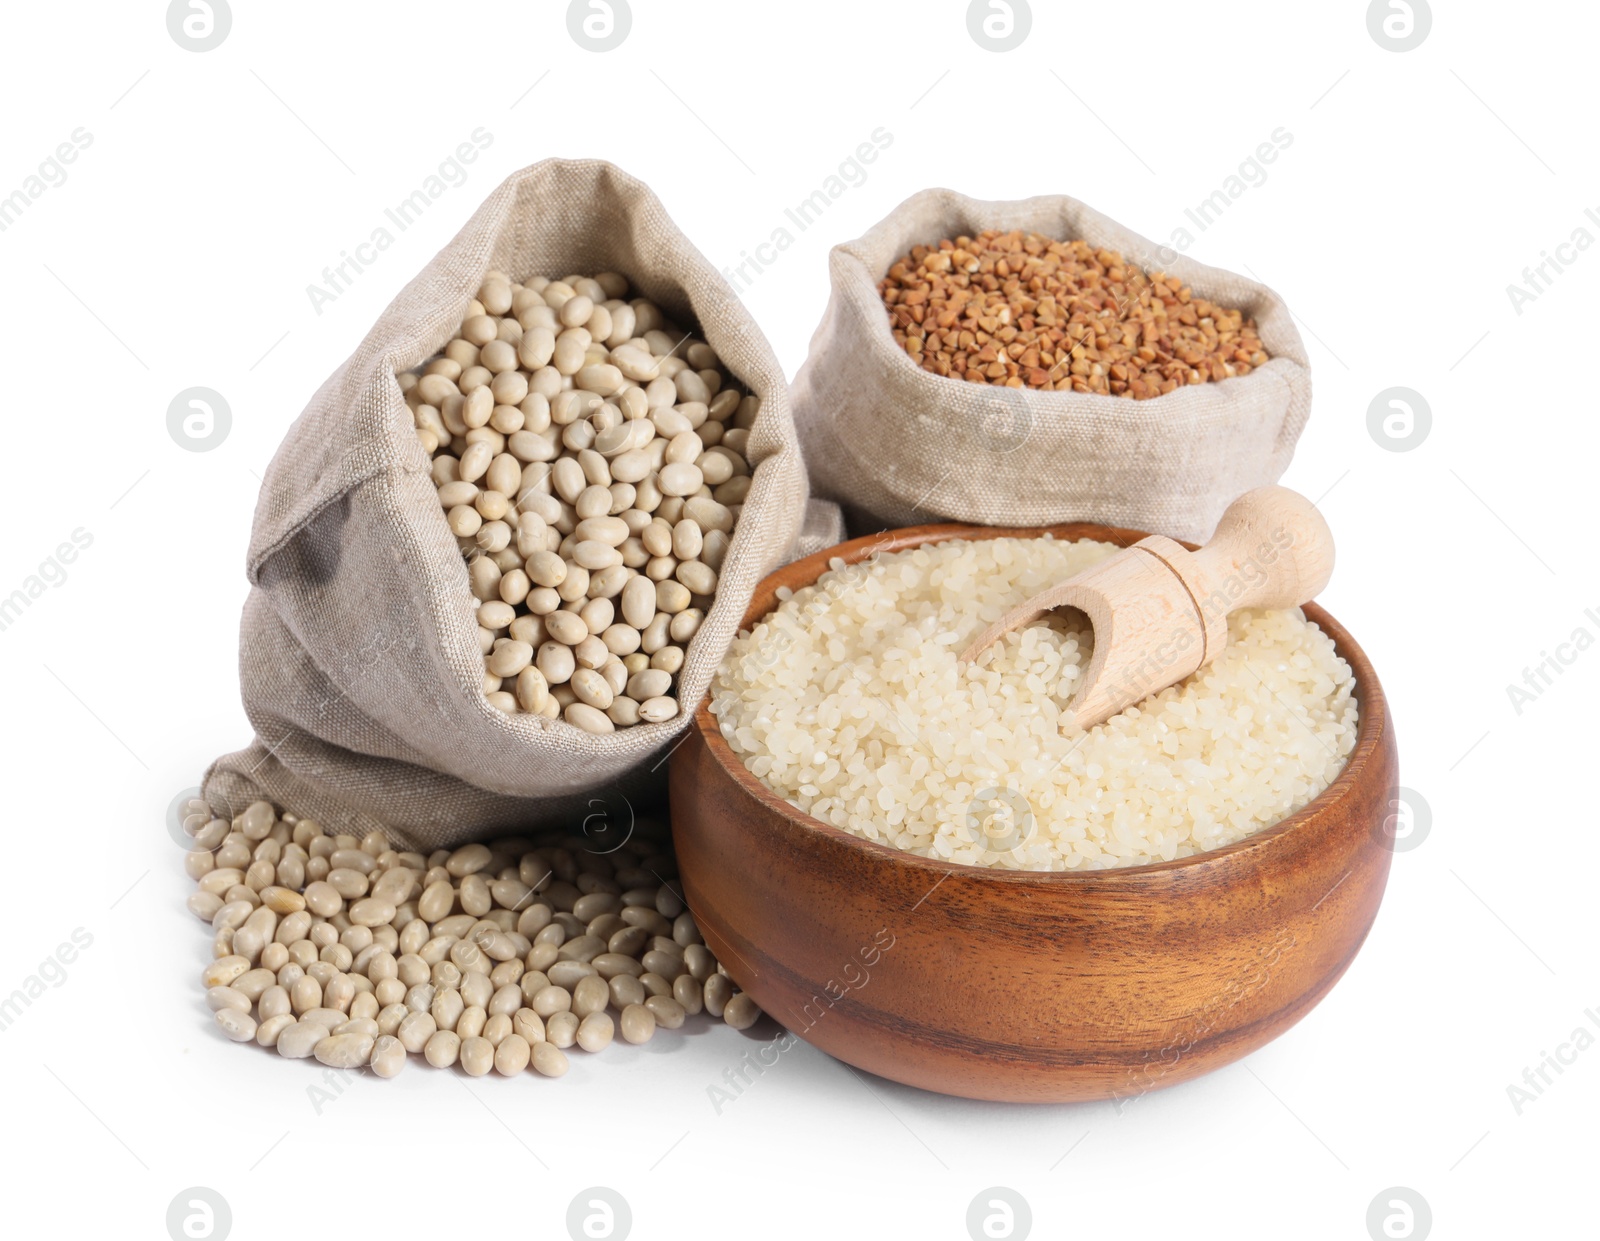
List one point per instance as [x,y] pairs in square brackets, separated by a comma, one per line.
[1015,985]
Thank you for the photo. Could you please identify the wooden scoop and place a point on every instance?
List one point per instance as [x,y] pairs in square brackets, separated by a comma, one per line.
[1160,611]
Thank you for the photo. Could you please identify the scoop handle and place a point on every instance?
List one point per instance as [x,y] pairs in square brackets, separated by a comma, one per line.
[1272,549]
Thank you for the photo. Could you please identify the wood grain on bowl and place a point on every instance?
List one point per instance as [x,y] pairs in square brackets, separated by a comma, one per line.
[1029,986]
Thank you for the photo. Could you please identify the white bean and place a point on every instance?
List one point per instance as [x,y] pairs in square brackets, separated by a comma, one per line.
[578,439]
[388,1056]
[590,719]
[658,710]
[298,1041]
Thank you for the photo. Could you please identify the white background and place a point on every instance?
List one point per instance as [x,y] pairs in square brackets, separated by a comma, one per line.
[217,187]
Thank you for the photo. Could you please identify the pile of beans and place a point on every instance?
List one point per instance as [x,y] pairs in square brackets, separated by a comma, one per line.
[1021,310]
[591,460]
[493,955]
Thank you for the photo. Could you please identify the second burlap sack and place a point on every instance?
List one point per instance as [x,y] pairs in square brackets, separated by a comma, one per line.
[359,660]
[896,445]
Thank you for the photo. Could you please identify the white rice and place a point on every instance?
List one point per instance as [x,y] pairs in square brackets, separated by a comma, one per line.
[848,701]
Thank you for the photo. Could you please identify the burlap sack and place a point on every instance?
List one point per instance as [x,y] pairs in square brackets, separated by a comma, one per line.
[359,660]
[897,445]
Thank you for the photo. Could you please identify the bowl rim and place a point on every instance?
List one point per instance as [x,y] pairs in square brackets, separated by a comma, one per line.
[1370,733]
